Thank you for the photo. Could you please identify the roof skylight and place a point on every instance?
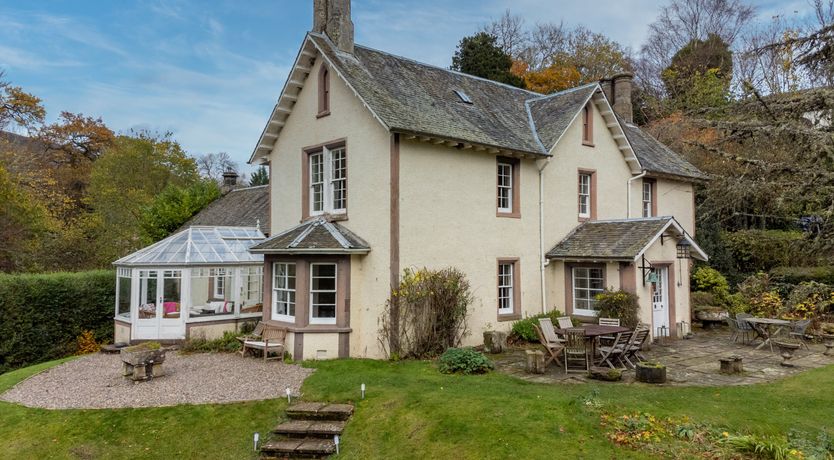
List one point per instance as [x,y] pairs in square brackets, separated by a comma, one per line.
[463,96]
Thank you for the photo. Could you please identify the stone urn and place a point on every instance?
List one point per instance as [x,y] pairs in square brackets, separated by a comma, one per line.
[786,350]
[648,372]
[828,341]
[712,316]
[143,361]
[495,341]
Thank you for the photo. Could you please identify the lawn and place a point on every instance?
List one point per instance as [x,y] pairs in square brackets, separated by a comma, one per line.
[412,411]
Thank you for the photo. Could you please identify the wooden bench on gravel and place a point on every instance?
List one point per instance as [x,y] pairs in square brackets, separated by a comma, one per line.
[268,339]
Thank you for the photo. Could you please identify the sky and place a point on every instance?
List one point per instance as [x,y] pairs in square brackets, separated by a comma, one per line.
[210,71]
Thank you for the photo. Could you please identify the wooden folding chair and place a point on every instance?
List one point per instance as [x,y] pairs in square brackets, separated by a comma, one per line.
[554,349]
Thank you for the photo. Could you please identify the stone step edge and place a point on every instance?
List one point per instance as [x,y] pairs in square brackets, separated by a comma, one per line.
[316,428]
[305,447]
[319,411]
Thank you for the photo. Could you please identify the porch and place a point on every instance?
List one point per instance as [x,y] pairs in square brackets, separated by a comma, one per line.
[689,362]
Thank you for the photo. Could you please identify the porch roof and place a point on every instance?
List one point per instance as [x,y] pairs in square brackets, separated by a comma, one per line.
[620,240]
[199,246]
[314,236]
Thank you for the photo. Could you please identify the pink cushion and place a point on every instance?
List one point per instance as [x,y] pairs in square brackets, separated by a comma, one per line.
[171,307]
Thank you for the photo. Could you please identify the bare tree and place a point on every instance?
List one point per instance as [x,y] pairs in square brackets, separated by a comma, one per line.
[509,33]
[213,165]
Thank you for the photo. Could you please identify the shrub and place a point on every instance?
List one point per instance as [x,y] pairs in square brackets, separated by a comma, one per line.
[523,328]
[761,296]
[427,314]
[707,279]
[761,250]
[797,275]
[619,304]
[464,361]
[87,343]
[226,344]
[809,300]
[43,315]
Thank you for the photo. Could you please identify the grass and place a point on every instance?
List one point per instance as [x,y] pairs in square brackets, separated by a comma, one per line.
[413,411]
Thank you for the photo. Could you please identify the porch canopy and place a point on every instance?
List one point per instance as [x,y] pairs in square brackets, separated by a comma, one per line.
[200,274]
[622,240]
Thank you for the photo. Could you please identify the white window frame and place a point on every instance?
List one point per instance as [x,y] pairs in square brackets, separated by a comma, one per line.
[333,181]
[506,288]
[647,199]
[124,274]
[589,300]
[284,288]
[318,319]
[585,195]
[218,283]
[505,186]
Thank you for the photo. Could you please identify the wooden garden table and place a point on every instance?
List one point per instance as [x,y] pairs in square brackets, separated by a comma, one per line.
[762,327]
[594,331]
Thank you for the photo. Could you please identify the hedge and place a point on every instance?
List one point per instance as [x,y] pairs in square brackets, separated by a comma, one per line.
[795,275]
[42,315]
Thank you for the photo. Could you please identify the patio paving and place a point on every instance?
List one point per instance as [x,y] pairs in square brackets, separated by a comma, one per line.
[689,362]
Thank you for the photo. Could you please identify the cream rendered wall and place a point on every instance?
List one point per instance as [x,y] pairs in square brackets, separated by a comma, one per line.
[121,332]
[667,252]
[448,219]
[368,160]
[210,331]
[328,344]
[561,179]
[676,198]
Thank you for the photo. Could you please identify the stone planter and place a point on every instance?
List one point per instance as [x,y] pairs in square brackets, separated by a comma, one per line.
[142,363]
[535,362]
[650,372]
[495,341]
[828,341]
[786,350]
[731,365]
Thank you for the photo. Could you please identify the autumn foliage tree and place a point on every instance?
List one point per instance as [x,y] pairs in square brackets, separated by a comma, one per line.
[77,136]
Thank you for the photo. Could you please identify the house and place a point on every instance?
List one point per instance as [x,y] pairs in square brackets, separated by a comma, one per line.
[379,163]
[201,280]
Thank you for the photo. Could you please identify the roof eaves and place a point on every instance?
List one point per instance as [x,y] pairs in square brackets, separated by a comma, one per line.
[575,115]
[409,132]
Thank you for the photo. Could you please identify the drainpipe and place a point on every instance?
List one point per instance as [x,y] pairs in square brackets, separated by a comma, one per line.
[543,260]
[628,193]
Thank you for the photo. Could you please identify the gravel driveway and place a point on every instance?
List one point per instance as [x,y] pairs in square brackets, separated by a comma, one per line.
[96,382]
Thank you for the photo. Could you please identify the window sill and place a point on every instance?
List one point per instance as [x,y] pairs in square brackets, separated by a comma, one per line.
[584,218]
[323,114]
[513,215]
[587,144]
[509,317]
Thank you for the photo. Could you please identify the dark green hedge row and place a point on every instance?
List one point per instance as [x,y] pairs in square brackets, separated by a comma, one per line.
[41,315]
[795,275]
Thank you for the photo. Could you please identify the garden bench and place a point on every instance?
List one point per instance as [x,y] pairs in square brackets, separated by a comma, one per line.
[271,340]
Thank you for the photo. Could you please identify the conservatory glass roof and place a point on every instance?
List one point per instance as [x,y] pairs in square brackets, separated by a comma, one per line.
[200,246]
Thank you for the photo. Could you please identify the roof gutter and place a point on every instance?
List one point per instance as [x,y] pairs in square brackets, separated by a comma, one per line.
[628,192]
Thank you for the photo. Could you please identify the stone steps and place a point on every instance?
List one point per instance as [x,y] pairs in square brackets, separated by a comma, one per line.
[321,429]
[309,432]
[319,411]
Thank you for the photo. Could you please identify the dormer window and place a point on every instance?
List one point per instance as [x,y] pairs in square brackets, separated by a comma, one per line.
[588,126]
[324,92]
[463,97]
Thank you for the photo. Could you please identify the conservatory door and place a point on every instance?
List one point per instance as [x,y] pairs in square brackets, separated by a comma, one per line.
[159,315]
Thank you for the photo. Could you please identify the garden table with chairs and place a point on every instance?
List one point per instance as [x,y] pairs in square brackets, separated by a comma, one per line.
[594,331]
[763,326]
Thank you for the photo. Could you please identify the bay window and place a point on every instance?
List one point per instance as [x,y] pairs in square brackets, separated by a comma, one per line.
[283,292]
[323,293]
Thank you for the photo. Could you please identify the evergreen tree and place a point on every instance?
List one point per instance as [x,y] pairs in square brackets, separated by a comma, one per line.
[480,55]
[259,177]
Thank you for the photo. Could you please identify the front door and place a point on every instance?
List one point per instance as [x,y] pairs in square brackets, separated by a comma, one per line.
[660,303]
[159,315]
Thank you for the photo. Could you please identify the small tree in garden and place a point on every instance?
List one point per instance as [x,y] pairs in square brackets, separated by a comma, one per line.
[427,314]
[619,304]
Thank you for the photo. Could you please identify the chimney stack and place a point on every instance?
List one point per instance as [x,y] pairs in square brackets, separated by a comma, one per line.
[229,181]
[622,96]
[332,17]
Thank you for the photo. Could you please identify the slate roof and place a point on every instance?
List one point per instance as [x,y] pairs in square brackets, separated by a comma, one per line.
[609,240]
[414,98]
[553,114]
[316,236]
[418,98]
[246,207]
[656,157]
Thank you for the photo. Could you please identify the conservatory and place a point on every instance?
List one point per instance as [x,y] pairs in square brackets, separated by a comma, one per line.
[198,282]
